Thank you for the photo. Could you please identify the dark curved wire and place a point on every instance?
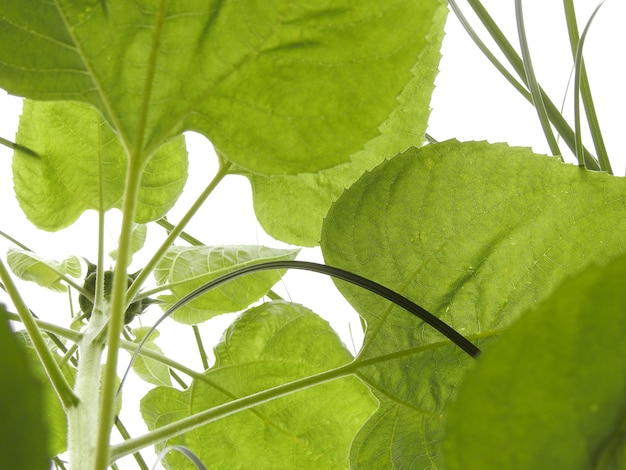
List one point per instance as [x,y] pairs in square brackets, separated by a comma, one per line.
[427,317]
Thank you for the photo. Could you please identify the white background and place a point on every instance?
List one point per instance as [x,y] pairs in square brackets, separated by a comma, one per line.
[471,102]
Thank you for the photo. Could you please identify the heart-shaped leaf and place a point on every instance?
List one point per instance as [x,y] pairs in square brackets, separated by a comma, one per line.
[476,234]
[81,157]
[269,345]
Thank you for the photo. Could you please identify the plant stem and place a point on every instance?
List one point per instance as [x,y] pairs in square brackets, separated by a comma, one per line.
[177,230]
[203,356]
[50,365]
[117,309]
[531,80]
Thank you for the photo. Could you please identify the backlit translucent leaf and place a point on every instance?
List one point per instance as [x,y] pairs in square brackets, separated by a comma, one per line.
[147,369]
[270,345]
[74,144]
[292,208]
[28,266]
[277,86]
[23,434]
[184,269]
[550,393]
[476,234]
[138,238]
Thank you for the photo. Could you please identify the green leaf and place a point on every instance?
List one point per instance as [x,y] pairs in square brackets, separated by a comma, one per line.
[292,208]
[147,369]
[138,238]
[28,266]
[474,233]
[23,434]
[271,344]
[74,143]
[184,269]
[276,86]
[550,392]
[53,412]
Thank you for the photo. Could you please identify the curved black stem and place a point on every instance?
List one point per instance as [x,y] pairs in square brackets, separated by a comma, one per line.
[427,317]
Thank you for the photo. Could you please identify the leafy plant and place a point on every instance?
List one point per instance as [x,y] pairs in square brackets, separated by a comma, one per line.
[441,247]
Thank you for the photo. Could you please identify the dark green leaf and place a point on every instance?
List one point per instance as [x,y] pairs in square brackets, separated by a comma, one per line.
[550,393]
[23,434]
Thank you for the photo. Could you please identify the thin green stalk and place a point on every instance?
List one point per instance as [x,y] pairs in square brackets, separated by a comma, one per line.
[183,235]
[582,88]
[125,435]
[203,356]
[245,403]
[487,53]
[227,409]
[18,147]
[177,230]
[557,119]
[76,337]
[117,308]
[50,365]
[531,80]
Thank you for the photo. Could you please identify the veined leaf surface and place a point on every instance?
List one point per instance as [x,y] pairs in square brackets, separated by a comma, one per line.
[277,86]
[476,234]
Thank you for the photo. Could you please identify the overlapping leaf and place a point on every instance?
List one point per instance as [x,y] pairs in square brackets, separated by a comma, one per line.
[30,267]
[184,269]
[270,345]
[23,434]
[292,208]
[474,233]
[277,86]
[550,393]
[79,157]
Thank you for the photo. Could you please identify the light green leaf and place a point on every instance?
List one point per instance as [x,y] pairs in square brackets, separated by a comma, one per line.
[476,234]
[276,86]
[269,345]
[30,267]
[23,434]
[74,143]
[138,238]
[184,269]
[147,369]
[550,392]
[292,208]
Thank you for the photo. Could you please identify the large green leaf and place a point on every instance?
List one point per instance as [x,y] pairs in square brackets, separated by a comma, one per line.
[30,267]
[74,144]
[23,434]
[184,269]
[276,85]
[292,208]
[476,234]
[550,393]
[270,345]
